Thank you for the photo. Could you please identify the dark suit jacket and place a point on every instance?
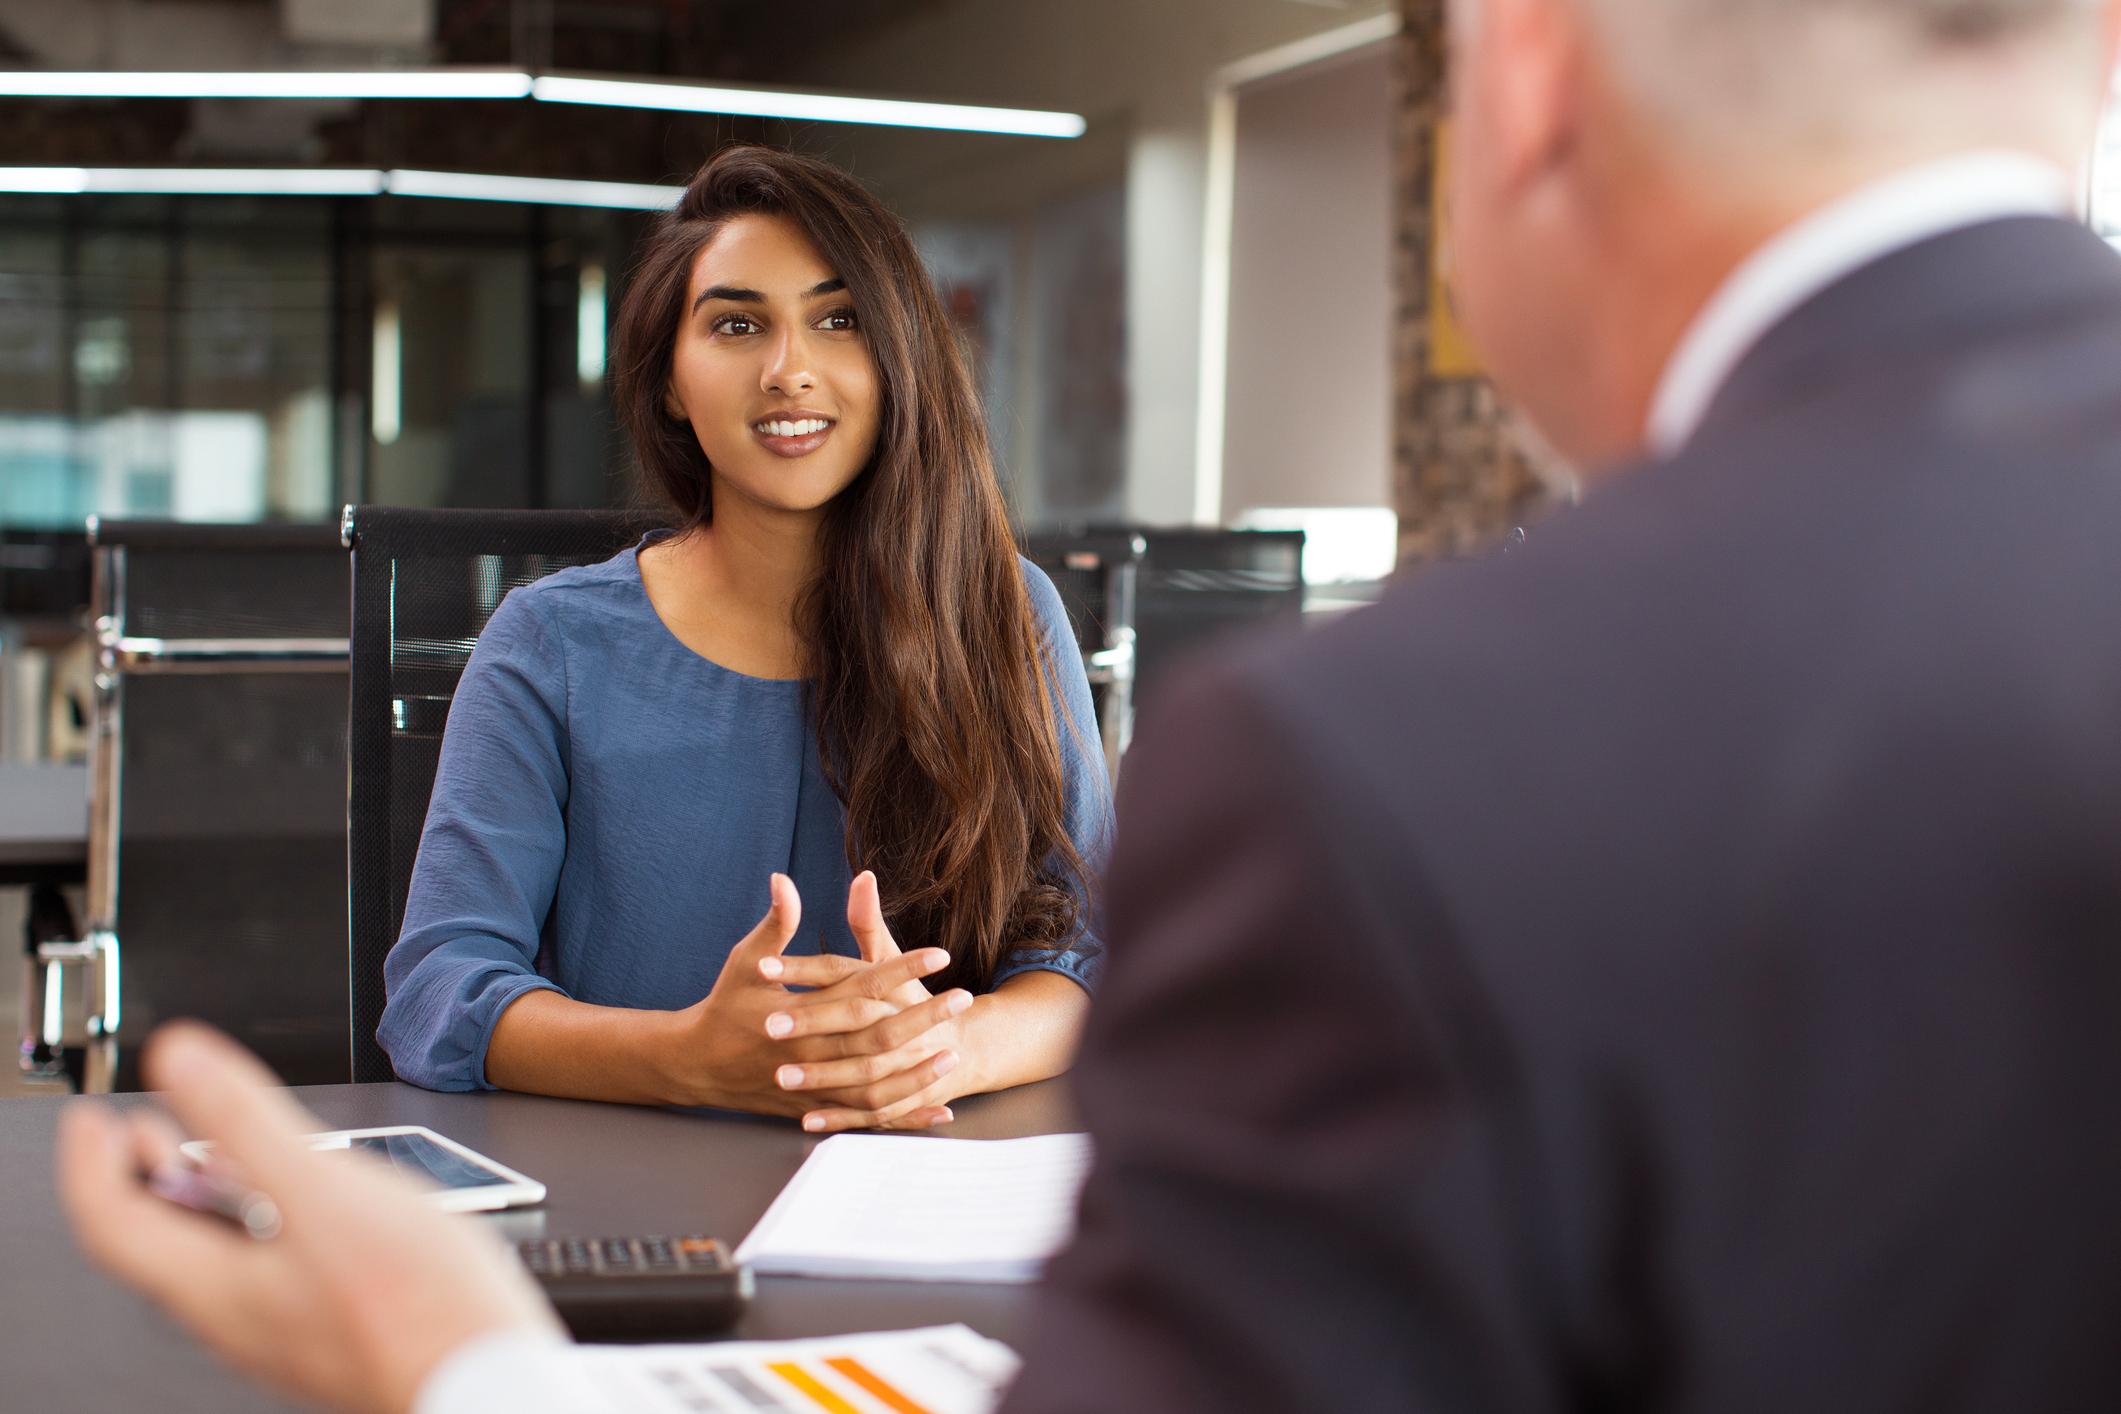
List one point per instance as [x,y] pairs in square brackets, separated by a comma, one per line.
[1676,965]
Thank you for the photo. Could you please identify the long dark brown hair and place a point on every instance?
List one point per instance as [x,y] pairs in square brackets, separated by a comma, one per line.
[928,680]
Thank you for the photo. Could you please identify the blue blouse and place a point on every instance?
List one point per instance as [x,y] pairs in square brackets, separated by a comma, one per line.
[607,810]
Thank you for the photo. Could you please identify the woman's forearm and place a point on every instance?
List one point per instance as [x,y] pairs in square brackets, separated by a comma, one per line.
[547,1044]
[1024,1030]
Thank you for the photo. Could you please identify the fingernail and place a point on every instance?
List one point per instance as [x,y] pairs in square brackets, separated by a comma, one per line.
[948,1114]
[771,967]
[934,959]
[946,1062]
[779,1024]
[788,1076]
[813,1122]
[957,1003]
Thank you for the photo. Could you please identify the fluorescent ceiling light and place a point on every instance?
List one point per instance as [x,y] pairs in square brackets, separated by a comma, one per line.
[298,83]
[62,179]
[537,191]
[505,84]
[195,181]
[237,181]
[314,181]
[818,107]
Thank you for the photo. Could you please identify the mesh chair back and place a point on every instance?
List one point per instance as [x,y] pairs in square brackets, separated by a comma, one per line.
[217,855]
[425,583]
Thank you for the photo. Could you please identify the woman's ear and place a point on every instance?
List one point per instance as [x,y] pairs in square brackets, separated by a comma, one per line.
[672,408]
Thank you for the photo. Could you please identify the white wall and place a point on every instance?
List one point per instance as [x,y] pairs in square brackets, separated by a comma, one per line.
[1307,418]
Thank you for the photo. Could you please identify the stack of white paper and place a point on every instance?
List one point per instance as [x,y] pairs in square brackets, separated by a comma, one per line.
[940,1369]
[920,1209]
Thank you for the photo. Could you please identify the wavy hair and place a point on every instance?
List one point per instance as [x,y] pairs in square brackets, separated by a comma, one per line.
[929,682]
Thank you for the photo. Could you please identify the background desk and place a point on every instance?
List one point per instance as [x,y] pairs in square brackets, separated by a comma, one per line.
[71,1339]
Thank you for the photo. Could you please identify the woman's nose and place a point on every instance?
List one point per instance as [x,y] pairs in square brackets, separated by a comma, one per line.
[788,366]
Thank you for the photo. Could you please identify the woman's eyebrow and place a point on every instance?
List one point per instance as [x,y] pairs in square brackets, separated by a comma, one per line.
[728,292]
[743,296]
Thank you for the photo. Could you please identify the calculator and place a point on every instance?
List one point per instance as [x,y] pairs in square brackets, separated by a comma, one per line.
[639,1288]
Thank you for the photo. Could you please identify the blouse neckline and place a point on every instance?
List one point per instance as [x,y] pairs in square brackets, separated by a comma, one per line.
[640,587]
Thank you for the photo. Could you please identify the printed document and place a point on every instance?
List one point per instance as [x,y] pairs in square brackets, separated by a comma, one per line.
[938,1370]
[911,1208]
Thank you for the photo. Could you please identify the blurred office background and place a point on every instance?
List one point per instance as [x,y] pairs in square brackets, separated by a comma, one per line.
[273,356]
[1206,306]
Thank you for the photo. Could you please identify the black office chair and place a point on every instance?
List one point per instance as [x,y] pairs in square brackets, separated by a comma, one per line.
[44,594]
[44,574]
[1193,585]
[424,585]
[1096,573]
[217,825]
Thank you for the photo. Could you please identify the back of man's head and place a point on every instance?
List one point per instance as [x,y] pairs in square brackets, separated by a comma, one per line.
[1615,160]
[1790,81]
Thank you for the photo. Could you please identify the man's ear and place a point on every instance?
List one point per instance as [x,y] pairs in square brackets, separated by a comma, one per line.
[1533,53]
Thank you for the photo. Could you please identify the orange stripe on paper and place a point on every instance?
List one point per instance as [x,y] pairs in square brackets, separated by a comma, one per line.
[819,1395]
[875,1384]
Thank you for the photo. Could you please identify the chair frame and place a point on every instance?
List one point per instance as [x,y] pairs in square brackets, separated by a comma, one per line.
[374,537]
[97,953]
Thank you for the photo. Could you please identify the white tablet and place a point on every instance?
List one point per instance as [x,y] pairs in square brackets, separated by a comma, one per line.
[459,1180]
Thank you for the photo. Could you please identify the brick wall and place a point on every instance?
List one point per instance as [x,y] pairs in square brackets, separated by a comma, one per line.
[1460,478]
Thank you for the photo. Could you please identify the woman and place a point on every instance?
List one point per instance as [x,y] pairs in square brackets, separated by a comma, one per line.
[838,660]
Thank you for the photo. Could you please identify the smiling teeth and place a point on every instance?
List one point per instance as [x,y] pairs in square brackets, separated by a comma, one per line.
[805,428]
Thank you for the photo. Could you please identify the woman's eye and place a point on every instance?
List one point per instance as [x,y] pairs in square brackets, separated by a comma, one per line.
[840,320]
[736,324]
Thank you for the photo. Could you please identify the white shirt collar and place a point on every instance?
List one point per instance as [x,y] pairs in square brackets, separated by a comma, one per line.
[1838,239]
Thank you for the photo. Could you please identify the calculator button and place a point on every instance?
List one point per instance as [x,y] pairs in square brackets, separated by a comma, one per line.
[702,1253]
[616,1251]
[658,1252]
[575,1256]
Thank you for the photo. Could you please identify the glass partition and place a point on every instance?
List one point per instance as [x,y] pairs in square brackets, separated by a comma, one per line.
[257,358]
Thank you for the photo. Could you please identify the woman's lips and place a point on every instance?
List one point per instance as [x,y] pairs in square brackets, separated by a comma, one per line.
[801,446]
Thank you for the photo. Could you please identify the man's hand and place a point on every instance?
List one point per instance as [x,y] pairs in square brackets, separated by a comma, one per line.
[363,1293]
[869,1051]
[736,1040]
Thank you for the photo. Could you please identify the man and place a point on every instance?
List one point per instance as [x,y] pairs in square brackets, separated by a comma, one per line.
[1675,965]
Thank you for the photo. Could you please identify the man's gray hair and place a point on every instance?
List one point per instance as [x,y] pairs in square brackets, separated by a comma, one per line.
[1977,19]
[1802,76]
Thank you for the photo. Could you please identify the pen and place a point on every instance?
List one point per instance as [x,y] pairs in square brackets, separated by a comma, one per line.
[218,1197]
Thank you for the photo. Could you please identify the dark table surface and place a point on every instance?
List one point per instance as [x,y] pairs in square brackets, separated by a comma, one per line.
[72,1340]
[43,815]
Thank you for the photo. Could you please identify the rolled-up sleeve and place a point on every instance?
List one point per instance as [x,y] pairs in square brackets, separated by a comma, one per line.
[1088,787]
[489,858]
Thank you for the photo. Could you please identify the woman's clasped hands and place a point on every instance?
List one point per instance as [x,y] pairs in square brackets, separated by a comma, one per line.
[867,1047]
